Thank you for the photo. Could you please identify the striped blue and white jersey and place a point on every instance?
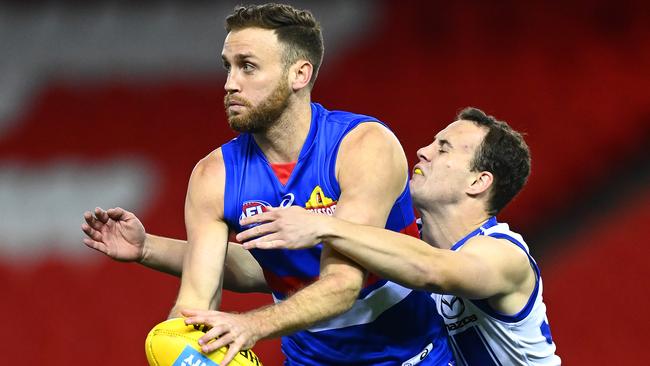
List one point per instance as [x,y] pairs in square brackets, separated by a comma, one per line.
[388,324]
[480,336]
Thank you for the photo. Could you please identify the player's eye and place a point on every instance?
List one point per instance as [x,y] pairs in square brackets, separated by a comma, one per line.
[248,67]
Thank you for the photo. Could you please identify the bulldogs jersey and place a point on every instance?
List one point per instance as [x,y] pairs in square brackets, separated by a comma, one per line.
[481,336]
[388,324]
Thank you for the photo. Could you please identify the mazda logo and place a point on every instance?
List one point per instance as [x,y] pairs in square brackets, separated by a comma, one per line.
[452,307]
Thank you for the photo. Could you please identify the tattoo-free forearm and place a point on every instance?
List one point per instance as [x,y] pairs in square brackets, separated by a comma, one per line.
[331,295]
[241,272]
[394,256]
[164,254]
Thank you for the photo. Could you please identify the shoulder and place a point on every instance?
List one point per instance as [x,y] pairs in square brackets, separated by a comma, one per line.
[207,185]
[509,259]
[210,169]
[369,144]
[371,134]
[495,246]
[371,154]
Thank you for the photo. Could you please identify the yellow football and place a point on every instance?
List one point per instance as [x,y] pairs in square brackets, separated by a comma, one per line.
[172,343]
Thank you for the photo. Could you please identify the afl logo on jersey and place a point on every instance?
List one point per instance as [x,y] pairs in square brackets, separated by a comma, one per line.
[451,307]
[252,208]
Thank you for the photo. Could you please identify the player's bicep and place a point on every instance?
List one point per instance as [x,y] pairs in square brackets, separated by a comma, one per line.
[372,172]
[483,268]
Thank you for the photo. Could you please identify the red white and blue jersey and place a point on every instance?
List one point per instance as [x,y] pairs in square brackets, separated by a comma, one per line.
[388,324]
[481,336]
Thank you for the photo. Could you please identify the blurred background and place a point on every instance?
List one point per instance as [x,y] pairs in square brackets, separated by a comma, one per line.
[111,103]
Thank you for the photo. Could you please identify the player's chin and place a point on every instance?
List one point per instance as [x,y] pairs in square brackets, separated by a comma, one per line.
[238,123]
[233,116]
[415,182]
[416,187]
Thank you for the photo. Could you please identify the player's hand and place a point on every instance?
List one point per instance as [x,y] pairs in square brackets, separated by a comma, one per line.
[116,232]
[237,331]
[288,228]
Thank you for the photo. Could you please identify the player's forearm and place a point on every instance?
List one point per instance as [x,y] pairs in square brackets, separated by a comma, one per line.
[242,273]
[164,254]
[393,256]
[197,292]
[330,296]
[203,266]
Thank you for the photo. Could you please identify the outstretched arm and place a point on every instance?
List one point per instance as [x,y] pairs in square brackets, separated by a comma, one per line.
[241,272]
[483,268]
[368,146]
[120,235]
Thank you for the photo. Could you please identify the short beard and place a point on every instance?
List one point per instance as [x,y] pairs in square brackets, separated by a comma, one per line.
[263,116]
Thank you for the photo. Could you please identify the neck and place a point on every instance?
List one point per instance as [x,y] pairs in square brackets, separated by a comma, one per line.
[282,142]
[446,225]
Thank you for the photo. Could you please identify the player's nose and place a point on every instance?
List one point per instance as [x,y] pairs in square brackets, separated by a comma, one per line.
[232,85]
[425,153]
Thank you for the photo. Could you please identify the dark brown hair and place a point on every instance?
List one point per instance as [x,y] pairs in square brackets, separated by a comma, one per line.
[296,29]
[504,153]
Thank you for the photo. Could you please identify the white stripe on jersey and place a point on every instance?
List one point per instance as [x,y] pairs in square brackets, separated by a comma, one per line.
[364,310]
[481,336]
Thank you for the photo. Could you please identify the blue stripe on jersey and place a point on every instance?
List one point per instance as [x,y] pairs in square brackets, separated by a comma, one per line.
[487,346]
[488,224]
[470,339]
[546,332]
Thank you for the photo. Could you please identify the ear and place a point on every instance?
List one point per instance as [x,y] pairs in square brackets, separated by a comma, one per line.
[300,74]
[482,182]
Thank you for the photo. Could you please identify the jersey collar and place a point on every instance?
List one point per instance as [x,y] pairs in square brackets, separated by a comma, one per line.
[486,225]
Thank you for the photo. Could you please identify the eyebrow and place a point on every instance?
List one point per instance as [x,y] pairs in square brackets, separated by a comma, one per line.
[443,142]
[240,56]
